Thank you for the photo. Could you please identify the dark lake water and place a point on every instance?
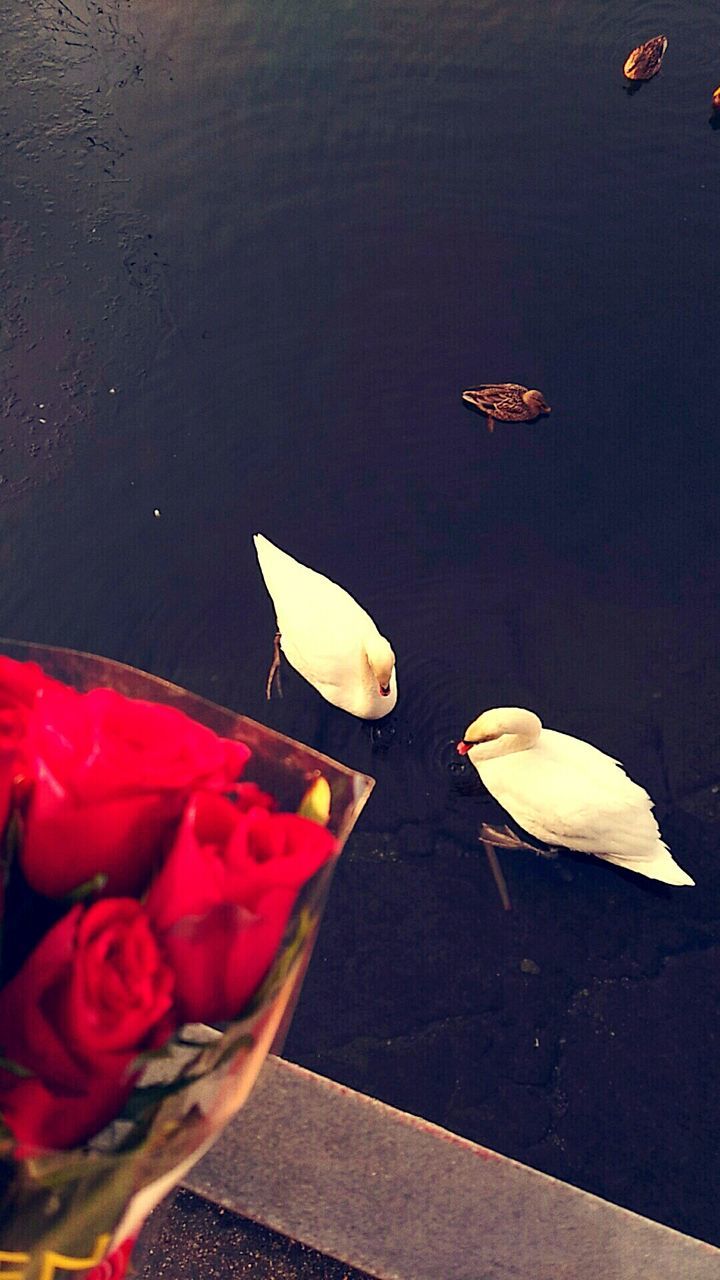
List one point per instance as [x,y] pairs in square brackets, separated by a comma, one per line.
[252,253]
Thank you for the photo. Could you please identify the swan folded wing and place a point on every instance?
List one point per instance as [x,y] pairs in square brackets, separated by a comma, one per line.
[320,616]
[568,793]
[303,597]
[330,650]
[327,661]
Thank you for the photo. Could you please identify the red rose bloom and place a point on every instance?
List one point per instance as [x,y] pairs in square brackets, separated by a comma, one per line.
[94,993]
[111,776]
[224,896]
[19,683]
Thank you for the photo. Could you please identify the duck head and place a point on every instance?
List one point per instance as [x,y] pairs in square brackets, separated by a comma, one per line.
[535,400]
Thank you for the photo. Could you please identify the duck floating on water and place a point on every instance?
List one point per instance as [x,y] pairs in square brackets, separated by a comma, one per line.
[327,637]
[567,793]
[506,402]
[645,61]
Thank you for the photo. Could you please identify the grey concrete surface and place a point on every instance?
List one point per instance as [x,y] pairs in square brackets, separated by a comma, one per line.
[405,1200]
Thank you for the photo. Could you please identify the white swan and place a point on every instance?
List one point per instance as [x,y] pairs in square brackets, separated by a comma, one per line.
[566,792]
[328,637]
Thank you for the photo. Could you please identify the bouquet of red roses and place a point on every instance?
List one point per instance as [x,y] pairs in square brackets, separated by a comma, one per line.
[158,873]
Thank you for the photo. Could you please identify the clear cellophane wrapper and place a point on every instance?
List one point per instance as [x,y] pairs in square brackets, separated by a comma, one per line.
[66,1211]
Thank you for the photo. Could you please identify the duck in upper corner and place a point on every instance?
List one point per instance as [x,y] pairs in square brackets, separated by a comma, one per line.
[506,402]
[567,793]
[645,61]
[716,99]
[327,637]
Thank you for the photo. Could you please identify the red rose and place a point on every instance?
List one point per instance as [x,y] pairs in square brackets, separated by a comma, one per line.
[224,897]
[19,683]
[94,993]
[111,777]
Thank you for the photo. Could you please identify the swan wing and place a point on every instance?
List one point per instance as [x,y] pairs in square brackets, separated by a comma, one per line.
[569,793]
[312,612]
[324,631]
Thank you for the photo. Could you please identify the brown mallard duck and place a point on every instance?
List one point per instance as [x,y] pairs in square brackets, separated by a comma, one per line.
[645,61]
[506,401]
[716,99]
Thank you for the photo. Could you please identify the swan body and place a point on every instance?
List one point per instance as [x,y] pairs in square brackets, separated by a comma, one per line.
[567,792]
[328,637]
[506,402]
[645,61]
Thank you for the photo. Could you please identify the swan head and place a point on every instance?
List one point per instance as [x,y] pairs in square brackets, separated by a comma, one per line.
[381,661]
[500,731]
[536,401]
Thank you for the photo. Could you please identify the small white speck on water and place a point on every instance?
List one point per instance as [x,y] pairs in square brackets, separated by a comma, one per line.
[43,420]
[112,391]
[156,512]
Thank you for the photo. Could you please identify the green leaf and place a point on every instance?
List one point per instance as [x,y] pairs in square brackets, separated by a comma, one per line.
[88,888]
[15,1068]
[286,960]
[152,1055]
[143,1097]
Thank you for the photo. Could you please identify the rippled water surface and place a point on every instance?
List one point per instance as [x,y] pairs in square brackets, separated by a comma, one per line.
[252,252]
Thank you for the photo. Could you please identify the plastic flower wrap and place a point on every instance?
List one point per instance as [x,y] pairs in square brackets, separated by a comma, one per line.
[164,866]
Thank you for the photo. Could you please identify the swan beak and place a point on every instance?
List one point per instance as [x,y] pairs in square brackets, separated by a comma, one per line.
[462,748]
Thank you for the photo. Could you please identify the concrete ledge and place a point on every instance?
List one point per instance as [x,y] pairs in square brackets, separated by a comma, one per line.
[405,1200]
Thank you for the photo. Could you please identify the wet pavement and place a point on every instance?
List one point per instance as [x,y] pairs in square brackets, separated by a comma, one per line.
[190,1237]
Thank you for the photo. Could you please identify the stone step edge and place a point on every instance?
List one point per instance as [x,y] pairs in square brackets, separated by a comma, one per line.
[403,1199]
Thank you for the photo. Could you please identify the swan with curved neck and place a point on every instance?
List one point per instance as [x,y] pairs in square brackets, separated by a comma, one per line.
[567,792]
[500,733]
[327,636]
